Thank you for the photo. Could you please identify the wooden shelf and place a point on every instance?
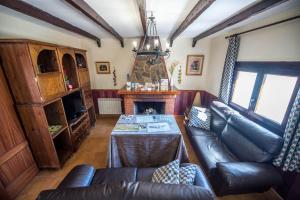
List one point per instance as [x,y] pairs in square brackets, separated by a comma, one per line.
[78,120]
[55,113]
[71,91]
[69,67]
[63,146]
[80,60]
[53,135]
[47,61]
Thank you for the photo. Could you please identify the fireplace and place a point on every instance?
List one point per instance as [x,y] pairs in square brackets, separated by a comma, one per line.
[164,101]
[149,107]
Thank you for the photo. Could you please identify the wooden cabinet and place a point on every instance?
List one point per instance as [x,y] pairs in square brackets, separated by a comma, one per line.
[17,166]
[42,140]
[79,130]
[33,71]
[40,75]
[17,65]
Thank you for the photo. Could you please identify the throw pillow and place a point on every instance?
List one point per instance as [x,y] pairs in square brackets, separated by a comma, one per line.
[187,174]
[167,174]
[199,117]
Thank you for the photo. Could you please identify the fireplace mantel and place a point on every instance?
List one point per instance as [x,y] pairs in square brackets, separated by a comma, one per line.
[130,97]
[154,92]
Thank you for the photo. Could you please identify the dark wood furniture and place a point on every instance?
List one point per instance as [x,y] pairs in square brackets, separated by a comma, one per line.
[79,129]
[39,75]
[17,166]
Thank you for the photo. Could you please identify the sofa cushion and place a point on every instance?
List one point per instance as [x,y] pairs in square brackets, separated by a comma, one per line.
[242,177]
[187,174]
[167,174]
[114,175]
[156,191]
[194,131]
[130,191]
[145,174]
[220,112]
[210,151]
[199,117]
[250,141]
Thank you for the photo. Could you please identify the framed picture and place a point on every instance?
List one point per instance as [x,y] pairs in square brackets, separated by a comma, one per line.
[102,68]
[194,64]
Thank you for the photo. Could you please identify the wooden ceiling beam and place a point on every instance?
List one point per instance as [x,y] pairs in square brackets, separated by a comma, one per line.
[37,13]
[143,14]
[198,9]
[242,15]
[83,7]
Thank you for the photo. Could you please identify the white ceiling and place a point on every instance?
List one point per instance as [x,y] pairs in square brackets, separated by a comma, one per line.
[123,15]
[216,13]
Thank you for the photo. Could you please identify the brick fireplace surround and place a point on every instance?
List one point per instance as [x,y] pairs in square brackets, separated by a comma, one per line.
[151,96]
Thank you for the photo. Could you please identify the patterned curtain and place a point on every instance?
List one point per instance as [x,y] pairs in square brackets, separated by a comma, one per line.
[289,157]
[227,77]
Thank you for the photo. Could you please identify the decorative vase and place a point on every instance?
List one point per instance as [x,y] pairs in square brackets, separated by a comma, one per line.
[171,82]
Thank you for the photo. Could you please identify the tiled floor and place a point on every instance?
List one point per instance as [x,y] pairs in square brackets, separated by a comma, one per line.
[94,151]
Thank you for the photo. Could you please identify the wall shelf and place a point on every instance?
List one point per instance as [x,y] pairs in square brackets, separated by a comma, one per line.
[69,69]
[58,132]
[47,61]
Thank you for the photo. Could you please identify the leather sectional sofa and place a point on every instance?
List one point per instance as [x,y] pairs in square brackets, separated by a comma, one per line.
[236,153]
[86,183]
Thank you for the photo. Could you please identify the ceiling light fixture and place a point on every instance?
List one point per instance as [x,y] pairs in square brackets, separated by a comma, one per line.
[150,46]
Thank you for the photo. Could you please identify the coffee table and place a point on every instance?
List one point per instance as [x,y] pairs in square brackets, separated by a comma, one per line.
[146,141]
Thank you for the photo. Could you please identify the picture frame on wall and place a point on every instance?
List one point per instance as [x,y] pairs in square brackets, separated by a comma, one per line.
[103,67]
[194,65]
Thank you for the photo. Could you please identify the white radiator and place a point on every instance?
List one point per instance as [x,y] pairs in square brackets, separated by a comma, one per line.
[109,106]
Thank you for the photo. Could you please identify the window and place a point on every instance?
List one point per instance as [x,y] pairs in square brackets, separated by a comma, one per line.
[243,87]
[275,95]
[265,91]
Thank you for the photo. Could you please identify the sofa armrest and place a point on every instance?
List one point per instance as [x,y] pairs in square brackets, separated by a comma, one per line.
[244,177]
[79,176]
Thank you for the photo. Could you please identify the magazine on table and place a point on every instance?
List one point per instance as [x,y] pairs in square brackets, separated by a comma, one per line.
[158,127]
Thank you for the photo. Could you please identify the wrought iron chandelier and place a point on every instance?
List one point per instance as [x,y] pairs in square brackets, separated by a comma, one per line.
[150,46]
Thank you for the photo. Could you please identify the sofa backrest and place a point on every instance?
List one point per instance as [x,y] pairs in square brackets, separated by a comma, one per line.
[220,113]
[249,141]
[129,191]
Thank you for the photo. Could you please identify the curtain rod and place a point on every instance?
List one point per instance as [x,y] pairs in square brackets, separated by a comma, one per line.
[265,26]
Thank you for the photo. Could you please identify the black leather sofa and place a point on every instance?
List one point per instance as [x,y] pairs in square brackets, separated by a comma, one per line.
[86,183]
[236,153]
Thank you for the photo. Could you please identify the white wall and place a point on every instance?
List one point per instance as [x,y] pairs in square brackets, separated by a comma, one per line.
[276,43]
[123,59]
[181,48]
[16,25]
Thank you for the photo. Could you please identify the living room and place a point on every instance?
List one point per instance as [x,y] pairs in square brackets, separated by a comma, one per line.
[149,99]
